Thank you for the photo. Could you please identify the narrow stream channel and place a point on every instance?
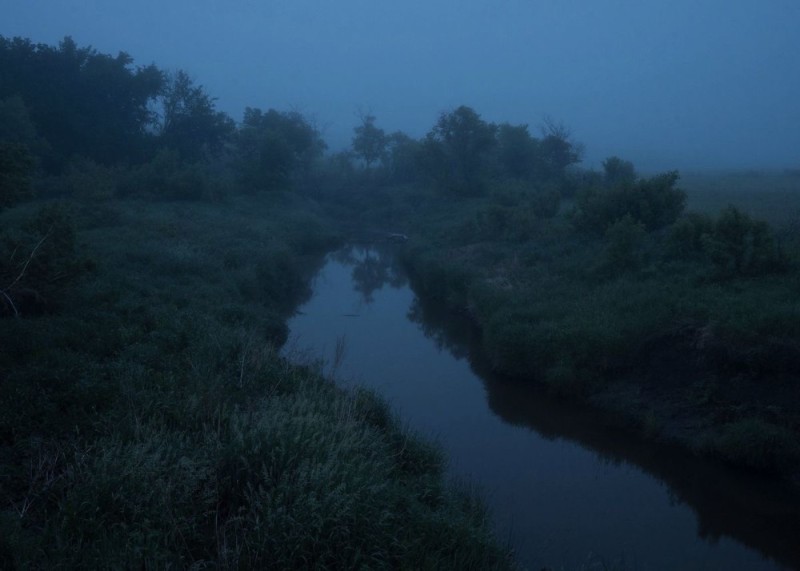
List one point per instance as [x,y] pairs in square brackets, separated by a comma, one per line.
[567,491]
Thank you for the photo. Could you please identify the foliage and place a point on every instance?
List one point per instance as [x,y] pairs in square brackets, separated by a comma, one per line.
[653,202]
[189,123]
[740,246]
[617,171]
[545,200]
[274,148]
[16,173]
[456,151]
[168,177]
[369,142]
[624,244]
[402,158]
[686,237]
[80,101]
[516,150]
[544,160]
[556,151]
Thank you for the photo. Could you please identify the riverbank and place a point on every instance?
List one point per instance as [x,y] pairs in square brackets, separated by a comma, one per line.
[148,420]
[667,339]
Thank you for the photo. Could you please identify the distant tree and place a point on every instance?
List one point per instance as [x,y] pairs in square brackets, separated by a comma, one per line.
[516,150]
[369,142]
[618,171]
[457,150]
[556,151]
[189,122]
[402,157]
[272,148]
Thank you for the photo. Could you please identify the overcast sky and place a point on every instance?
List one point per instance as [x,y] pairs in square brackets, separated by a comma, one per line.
[667,84]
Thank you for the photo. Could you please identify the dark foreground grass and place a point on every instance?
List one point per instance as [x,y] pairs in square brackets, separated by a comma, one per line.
[150,422]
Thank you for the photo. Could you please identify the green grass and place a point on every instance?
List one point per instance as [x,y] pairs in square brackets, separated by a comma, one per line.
[151,423]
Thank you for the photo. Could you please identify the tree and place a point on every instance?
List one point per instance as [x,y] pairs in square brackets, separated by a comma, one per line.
[556,151]
[402,157]
[81,102]
[618,171]
[516,150]
[189,123]
[369,142]
[457,150]
[272,148]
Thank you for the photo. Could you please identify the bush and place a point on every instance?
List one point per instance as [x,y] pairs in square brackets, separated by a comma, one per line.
[686,237]
[167,177]
[16,173]
[624,244]
[545,201]
[653,202]
[739,246]
[617,171]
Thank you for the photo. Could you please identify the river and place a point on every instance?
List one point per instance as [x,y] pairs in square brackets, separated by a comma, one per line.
[566,489]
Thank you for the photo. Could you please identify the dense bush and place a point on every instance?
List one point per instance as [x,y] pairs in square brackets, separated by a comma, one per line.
[16,173]
[653,202]
[168,177]
[624,244]
[739,245]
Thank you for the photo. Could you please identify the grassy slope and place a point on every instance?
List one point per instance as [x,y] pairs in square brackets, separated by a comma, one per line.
[150,421]
[712,364]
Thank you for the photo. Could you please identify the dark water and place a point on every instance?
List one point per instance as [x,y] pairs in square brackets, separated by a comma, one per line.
[566,490]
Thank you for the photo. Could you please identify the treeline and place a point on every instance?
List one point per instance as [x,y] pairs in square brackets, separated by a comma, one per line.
[461,155]
[68,111]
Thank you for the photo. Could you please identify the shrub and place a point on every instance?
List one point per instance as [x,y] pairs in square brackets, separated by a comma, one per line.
[654,202]
[624,244]
[617,171]
[686,237]
[739,245]
[167,177]
[545,201]
[16,173]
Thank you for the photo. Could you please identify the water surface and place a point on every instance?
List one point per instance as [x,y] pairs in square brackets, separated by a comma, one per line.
[566,490]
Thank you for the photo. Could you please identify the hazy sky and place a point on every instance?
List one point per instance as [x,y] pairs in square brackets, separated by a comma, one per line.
[681,83]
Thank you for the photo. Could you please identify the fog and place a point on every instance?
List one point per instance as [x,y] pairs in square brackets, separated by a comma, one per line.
[667,85]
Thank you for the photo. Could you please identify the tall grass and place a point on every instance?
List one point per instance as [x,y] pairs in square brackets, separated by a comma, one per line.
[152,423]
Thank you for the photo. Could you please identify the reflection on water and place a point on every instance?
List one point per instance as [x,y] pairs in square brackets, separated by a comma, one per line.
[570,491]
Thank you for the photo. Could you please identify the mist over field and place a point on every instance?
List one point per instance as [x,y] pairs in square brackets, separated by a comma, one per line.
[666,85]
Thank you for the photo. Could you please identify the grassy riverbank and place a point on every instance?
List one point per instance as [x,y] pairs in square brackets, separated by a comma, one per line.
[686,331]
[146,419]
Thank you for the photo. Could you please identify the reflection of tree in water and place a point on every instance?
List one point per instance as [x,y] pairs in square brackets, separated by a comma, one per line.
[445,331]
[373,267]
